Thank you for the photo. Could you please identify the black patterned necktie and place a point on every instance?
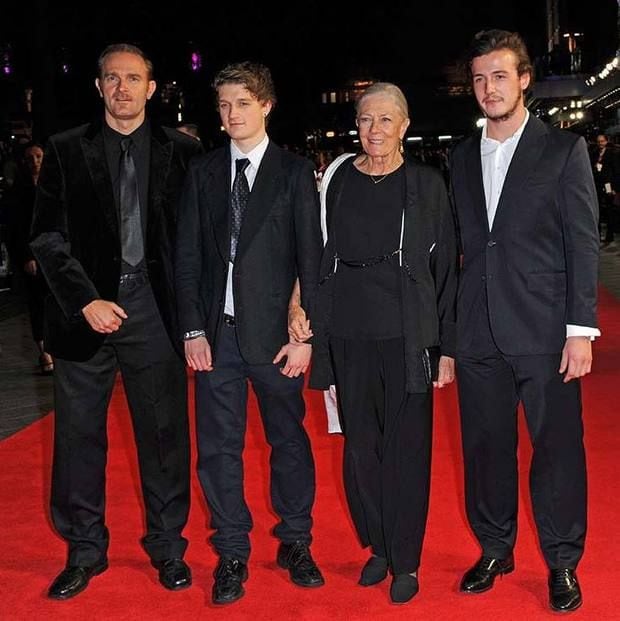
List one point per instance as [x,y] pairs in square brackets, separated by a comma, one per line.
[132,246]
[239,200]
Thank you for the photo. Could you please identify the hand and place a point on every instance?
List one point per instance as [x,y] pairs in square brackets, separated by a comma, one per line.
[198,354]
[446,372]
[576,357]
[103,316]
[298,325]
[297,358]
[30,267]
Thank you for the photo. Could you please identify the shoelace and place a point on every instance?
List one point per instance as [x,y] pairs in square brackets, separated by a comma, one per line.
[299,556]
[227,568]
[562,577]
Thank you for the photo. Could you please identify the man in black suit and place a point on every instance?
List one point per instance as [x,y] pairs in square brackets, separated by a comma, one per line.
[103,234]
[248,226]
[527,211]
[606,170]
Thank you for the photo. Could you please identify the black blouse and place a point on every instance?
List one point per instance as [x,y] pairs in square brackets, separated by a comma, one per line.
[367,222]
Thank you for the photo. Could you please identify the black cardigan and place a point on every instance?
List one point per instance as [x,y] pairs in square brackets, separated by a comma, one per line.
[428,276]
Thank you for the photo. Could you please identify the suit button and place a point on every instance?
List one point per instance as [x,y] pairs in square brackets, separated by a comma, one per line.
[484,278]
[491,244]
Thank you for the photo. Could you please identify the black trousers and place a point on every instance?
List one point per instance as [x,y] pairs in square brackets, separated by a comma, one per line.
[221,415]
[610,215]
[155,384]
[34,289]
[387,450]
[491,385]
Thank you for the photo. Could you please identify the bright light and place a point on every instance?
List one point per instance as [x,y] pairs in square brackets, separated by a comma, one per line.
[579,115]
[195,61]
[446,137]
[330,134]
[414,139]
[553,110]
[353,132]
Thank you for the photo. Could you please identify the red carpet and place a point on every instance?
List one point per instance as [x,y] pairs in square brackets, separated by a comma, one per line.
[33,554]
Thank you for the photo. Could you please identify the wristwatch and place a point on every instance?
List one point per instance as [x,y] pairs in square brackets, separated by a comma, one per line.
[193,334]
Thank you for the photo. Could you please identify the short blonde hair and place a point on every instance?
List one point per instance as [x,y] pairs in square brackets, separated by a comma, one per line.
[389,89]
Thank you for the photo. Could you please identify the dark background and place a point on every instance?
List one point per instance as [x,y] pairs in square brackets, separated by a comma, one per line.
[311,47]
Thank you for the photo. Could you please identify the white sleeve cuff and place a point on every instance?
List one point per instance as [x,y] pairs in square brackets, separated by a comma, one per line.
[572,330]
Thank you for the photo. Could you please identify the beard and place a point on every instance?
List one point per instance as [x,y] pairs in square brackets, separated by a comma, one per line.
[506,115]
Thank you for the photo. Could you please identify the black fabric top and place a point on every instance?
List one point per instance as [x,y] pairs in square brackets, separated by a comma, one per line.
[367,222]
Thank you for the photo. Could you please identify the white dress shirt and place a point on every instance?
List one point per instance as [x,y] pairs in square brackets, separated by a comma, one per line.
[255,156]
[496,157]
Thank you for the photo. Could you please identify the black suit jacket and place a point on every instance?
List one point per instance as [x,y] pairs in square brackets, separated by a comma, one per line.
[539,263]
[280,239]
[76,231]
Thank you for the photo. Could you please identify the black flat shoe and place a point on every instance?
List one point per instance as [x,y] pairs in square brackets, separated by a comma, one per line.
[73,580]
[564,591]
[174,573]
[481,576]
[403,588]
[375,570]
[302,569]
[230,574]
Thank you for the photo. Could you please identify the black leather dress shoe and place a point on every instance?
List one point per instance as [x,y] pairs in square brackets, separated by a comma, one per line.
[481,576]
[230,574]
[174,573]
[374,571]
[301,567]
[73,580]
[403,588]
[564,591]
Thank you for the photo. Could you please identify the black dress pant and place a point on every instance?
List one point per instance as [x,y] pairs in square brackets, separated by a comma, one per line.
[221,415]
[491,385]
[387,450]
[155,384]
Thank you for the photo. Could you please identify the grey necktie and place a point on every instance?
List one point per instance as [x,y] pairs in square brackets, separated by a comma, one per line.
[239,201]
[132,245]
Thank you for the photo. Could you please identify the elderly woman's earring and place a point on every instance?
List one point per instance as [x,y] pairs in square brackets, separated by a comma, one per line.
[401,149]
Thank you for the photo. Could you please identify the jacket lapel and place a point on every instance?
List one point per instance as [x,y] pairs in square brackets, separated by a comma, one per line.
[161,158]
[262,197]
[473,166]
[524,162]
[96,163]
[217,188]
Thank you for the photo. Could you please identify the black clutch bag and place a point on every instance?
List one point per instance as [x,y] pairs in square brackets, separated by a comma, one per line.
[430,362]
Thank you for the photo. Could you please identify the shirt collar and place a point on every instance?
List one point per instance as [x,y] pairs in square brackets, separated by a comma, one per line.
[490,144]
[255,155]
[138,135]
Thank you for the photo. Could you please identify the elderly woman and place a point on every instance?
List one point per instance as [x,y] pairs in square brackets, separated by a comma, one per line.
[383,329]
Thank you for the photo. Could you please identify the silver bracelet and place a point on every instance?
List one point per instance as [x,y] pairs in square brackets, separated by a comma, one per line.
[193,334]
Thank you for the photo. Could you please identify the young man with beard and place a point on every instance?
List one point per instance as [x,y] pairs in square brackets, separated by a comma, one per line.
[527,210]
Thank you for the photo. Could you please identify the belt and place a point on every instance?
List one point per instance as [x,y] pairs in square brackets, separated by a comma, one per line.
[134,277]
[229,320]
